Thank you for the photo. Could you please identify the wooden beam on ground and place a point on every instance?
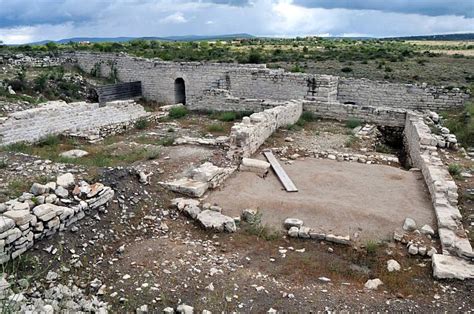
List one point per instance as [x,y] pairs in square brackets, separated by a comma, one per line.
[280,172]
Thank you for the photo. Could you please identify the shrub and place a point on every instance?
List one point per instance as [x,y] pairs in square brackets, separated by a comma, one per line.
[265,232]
[353,123]
[3,163]
[167,141]
[308,116]
[454,169]
[382,148]
[215,128]
[371,247]
[178,112]
[141,124]
[346,69]
[50,140]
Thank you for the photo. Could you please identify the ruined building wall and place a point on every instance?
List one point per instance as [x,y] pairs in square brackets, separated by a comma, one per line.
[258,82]
[58,117]
[371,93]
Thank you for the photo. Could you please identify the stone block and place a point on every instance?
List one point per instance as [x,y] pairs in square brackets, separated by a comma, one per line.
[451,267]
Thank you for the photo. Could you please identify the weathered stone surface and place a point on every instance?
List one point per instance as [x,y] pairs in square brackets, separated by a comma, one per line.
[6,223]
[292,222]
[65,180]
[373,284]
[346,240]
[47,212]
[192,210]
[61,192]
[409,225]
[105,196]
[393,265]
[20,217]
[181,203]
[249,215]
[74,153]
[38,189]
[293,232]
[303,232]
[216,221]
[187,186]
[426,229]
[254,165]
[451,267]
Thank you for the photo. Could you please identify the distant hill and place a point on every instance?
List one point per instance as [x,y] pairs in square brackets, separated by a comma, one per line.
[465,36]
[125,39]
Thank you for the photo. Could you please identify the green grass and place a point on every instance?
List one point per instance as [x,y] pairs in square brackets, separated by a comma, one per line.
[353,123]
[167,141]
[178,112]
[229,116]
[142,124]
[215,128]
[461,123]
[255,227]
[351,141]
[3,163]
[455,170]
[371,247]
[382,148]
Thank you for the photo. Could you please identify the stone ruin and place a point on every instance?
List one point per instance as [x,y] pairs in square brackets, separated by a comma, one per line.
[278,99]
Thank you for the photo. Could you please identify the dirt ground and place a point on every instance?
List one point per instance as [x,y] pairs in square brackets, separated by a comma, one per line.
[370,201]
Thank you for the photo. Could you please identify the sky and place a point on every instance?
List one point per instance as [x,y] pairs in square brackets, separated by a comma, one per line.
[24,21]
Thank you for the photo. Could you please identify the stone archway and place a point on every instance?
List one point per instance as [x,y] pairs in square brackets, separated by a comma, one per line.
[179,91]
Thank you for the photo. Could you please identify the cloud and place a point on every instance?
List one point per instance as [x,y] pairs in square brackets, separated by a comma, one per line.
[175,18]
[421,7]
[23,21]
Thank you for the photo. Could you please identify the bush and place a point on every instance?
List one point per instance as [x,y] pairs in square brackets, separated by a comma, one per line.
[353,123]
[178,112]
[227,116]
[454,169]
[346,69]
[50,140]
[371,246]
[308,116]
[3,163]
[142,124]
[167,141]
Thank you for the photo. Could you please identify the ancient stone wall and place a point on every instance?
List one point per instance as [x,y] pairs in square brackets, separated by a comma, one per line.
[365,92]
[58,117]
[258,82]
[246,137]
[370,114]
[46,210]
[422,153]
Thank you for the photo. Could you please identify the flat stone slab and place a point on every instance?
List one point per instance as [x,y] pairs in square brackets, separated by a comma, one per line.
[214,220]
[451,267]
[187,186]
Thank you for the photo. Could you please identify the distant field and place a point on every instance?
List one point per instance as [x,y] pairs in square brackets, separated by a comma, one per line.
[458,43]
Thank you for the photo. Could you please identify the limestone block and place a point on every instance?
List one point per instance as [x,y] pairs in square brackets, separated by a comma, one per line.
[187,186]
[214,220]
[451,267]
[6,224]
[20,217]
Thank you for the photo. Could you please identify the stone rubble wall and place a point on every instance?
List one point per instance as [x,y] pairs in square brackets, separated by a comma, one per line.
[31,61]
[410,96]
[246,137]
[258,82]
[369,114]
[58,117]
[45,211]
[422,153]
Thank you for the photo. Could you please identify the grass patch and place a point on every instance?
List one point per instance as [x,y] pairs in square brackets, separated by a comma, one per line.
[215,128]
[50,140]
[382,148]
[142,124]
[351,141]
[178,112]
[308,116]
[3,163]
[353,123]
[167,141]
[455,170]
[255,227]
[371,247]
[461,123]
[229,116]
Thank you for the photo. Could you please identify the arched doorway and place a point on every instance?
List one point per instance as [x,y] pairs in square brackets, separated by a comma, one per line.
[179,91]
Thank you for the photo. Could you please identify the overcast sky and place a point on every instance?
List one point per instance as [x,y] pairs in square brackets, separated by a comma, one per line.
[23,21]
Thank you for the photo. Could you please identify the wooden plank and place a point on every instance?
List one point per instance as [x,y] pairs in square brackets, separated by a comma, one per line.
[280,172]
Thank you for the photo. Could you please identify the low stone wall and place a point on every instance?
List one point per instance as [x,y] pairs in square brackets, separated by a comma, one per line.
[422,154]
[378,115]
[365,92]
[246,137]
[46,210]
[223,100]
[59,117]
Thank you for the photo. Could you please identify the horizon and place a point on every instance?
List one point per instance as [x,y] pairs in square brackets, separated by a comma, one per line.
[29,21]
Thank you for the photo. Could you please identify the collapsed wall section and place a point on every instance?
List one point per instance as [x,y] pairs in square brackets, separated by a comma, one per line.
[58,117]
[246,137]
[410,96]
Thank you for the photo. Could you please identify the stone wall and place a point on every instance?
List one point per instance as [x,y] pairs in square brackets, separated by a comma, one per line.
[370,114]
[258,82]
[371,93]
[246,137]
[58,117]
[422,153]
[46,210]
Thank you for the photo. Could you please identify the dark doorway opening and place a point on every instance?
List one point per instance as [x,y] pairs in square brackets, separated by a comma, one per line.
[179,91]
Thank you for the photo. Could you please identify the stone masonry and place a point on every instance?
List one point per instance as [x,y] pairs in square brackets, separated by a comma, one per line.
[58,117]
[258,82]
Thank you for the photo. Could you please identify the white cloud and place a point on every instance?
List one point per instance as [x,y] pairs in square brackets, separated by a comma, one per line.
[175,18]
[184,17]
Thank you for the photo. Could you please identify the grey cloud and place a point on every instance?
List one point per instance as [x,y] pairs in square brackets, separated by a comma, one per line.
[423,7]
